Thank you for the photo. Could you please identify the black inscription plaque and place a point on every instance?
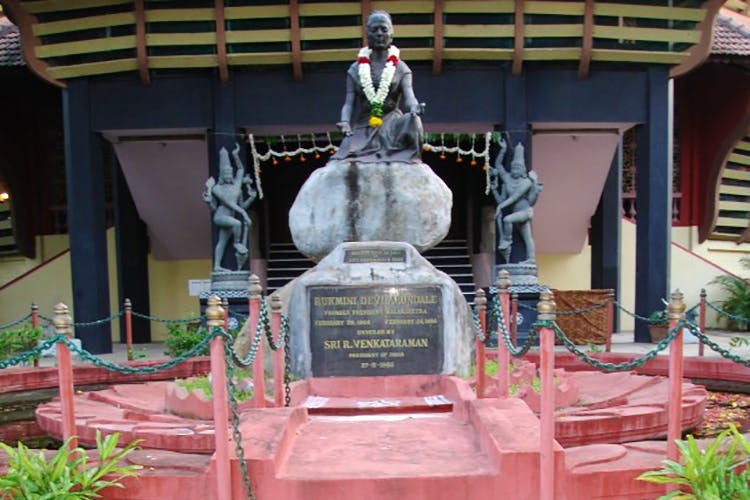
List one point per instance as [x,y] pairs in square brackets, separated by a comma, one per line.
[374,254]
[363,331]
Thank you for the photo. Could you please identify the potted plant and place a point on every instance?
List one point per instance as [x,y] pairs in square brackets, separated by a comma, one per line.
[737,302]
[658,326]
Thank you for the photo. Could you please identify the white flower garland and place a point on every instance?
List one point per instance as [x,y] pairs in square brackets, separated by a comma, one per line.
[376,98]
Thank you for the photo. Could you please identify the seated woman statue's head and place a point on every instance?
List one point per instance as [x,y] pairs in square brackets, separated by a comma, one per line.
[379,30]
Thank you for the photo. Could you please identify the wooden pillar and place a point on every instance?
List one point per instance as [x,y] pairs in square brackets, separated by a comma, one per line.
[63,325]
[84,178]
[480,302]
[674,413]
[259,384]
[605,231]
[503,355]
[654,201]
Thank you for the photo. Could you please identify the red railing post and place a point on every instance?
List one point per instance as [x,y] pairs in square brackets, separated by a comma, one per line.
[128,306]
[480,303]
[278,354]
[216,319]
[255,291]
[35,324]
[674,415]
[503,355]
[610,319]
[63,326]
[702,320]
[546,312]
[514,318]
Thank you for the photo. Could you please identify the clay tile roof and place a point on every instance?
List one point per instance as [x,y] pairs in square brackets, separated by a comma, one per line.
[10,44]
[731,34]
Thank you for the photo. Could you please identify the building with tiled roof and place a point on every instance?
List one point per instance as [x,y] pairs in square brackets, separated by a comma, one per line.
[731,34]
[10,44]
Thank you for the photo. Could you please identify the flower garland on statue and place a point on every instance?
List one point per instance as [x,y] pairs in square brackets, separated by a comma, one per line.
[376,98]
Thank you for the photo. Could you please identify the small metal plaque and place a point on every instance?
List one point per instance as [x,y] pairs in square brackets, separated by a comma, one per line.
[374,255]
[365,331]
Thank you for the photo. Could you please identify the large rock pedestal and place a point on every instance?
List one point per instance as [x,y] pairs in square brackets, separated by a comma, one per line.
[378,308]
[352,201]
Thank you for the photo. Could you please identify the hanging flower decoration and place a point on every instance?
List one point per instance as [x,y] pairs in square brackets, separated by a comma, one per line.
[376,98]
[439,148]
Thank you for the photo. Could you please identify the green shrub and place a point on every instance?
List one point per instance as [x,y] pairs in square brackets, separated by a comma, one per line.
[183,337]
[717,473]
[66,475]
[202,384]
[13,342]
[737,302]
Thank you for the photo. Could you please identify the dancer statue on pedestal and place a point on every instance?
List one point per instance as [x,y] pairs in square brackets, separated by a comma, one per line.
[225,199]
[519,192]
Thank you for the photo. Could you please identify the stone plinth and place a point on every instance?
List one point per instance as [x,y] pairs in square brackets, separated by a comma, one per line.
[378,308]
[352,201]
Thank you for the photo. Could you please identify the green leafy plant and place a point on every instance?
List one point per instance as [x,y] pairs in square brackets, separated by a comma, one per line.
[594,348]
[739,341]
[67,474]
[181,338]
[659,318]
[14,342]
[717,473]
[737,302]
[137,353]
[204,385]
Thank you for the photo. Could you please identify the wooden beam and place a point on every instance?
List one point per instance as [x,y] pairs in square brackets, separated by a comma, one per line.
[140,42]
[296,41]
[588,39]
[437,46]
[29,42]
[518,38]
[700,51]
[221,40]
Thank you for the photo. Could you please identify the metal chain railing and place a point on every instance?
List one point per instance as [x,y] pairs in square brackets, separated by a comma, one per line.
[732,317]
[637,316]
[477,326]
[157,319]
[714,346]
[585,310]
[287,362]
[196,350]
[254,347]
[8,326]
[516,352]
[611,367]
[232,392]
[31,353]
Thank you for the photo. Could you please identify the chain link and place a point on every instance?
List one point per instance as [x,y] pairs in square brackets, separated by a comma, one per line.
[636,316]
[287,361]
[254,346]
[8,326]
[235,417]
[732,317]
[516,352]
[35,352]
[695,330]
[477,326]
[84,324]
[157,319]
[264,322]
[611,367]
[141,370]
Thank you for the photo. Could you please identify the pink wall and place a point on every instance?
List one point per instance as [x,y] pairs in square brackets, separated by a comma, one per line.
[573,167]
[166,180]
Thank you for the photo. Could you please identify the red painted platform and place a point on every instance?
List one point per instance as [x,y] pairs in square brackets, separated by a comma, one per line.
[408,437]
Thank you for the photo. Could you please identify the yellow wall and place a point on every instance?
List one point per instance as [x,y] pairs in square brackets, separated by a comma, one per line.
[47,247]
[48,286]
[566,271]
[168,288]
